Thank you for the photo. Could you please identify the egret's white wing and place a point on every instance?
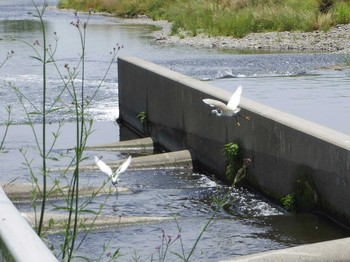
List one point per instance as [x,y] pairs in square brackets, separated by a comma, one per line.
[124,166]
[235,98]
[214,103]
[237,110]
[103,167]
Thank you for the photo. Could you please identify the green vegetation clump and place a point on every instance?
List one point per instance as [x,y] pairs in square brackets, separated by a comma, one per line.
[288,202]
[304,198]
[233,157]
[228,17]
[143,118]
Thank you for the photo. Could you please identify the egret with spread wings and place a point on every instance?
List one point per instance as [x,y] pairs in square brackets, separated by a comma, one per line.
[229,109]
[109,172]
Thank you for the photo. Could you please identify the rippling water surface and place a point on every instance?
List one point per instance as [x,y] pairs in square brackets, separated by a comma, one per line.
[290,82]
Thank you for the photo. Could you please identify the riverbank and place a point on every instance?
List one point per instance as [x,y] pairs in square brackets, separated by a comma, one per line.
[336,40]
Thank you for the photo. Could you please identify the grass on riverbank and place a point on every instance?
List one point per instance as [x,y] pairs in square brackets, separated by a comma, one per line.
[228,17]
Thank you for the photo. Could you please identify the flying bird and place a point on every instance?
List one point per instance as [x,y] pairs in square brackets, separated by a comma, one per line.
[229,109]
[109,172]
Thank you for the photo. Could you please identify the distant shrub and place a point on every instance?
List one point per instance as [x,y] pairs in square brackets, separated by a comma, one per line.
[229,17]
[341,12]
[324,22]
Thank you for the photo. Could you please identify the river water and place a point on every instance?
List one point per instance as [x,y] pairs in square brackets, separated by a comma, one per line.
[291,82]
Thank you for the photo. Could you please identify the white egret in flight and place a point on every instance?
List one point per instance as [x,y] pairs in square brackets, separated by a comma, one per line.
[231,109]
[109,172]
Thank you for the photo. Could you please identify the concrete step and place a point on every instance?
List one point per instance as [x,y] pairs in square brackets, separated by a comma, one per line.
[142,146]
[23,192]
[171,160]
[91,222]
[333,250]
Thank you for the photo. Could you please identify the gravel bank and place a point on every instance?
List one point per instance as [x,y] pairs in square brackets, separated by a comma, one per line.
[336,40]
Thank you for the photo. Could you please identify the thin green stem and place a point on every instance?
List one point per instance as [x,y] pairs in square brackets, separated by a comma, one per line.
[219,206]
[7,124]
[80,137]
[44,168]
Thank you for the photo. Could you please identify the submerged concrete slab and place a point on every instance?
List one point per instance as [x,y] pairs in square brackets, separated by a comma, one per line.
[57,220]
[171,160]
[139,146]
[335,250]
[24,192]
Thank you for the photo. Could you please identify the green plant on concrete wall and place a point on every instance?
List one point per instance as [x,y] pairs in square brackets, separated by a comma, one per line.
[233,157]
[305,194]
[304,197]
[288,202]
[143,118]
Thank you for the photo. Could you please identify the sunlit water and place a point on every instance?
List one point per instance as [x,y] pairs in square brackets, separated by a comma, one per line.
[289,82]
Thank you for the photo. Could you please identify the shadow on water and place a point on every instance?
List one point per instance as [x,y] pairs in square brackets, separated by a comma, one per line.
[20,26]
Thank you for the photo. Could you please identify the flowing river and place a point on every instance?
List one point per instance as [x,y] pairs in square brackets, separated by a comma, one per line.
[291,82]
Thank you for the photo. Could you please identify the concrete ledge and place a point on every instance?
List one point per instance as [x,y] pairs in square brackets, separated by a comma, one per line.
[335,250]
[172,160]
[23,192]
[92,222]
[17,238]
[139,146]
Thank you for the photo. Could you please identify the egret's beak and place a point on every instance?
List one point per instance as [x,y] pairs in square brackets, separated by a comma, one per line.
[247,117]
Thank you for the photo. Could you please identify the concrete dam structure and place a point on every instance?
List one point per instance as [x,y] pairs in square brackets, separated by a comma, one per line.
[289,155]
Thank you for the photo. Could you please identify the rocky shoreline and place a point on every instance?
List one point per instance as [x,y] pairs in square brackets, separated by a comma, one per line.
[336,40]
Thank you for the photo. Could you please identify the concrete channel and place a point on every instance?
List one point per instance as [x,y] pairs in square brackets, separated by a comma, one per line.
[288,154]
[26,245]
[283,148]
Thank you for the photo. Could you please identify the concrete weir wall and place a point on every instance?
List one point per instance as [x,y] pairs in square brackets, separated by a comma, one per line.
[283,148]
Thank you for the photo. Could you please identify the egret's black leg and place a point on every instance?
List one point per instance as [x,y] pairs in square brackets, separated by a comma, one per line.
[116,193]
[116,189]
[237,121]
[246,117]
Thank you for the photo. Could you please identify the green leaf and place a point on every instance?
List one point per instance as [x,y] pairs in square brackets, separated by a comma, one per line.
[54,110]
[34,113]
[36,58]
[116,253]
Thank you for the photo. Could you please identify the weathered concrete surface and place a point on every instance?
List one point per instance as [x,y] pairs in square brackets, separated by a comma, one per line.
[335,251]
[91,222]
[178,160]
[23,192]
[139,146]
[17,238]
[282,147]
[172,160]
